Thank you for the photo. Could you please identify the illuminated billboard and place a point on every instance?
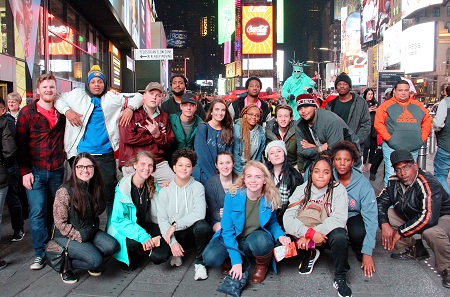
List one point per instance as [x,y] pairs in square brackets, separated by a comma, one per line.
[409,6]
[350,5]
[257,30]
[177,38]
[418,47]
[392,47]
[374,20]
[227,20]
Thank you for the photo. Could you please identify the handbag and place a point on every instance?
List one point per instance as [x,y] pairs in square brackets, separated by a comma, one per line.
[56,255]
[313,213]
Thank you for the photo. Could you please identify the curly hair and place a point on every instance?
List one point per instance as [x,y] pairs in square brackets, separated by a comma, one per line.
[345,145]
[326,157]
[245,129]
[185,153]
[269,191]
[150,182]
[226,123]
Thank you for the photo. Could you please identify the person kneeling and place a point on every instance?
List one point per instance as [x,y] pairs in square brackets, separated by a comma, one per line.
[134,221]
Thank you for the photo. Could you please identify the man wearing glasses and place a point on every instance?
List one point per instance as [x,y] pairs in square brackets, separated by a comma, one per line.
[420,205]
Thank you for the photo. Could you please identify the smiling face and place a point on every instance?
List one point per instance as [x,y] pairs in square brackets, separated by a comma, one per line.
[188,109]
[254,179]
[178,86]
[96,86]
[253,115]
[47,90]
[84,169]
[321,174]
[13,105]
[342,88]
[218,111]
[307,113]
[276,155]
[369,95]
[343,162]
[144,167]
[183,168]
[224,165]
[283,117]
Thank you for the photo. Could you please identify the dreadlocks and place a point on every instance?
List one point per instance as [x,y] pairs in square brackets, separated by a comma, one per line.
[245,129]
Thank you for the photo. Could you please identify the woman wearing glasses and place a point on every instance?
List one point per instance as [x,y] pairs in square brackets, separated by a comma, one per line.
[249,137]
[78,204]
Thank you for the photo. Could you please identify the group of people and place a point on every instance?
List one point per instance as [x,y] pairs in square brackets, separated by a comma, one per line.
[228,182]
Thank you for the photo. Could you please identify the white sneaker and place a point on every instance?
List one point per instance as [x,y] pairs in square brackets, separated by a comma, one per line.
[38,263]
[200,272]
[176,261]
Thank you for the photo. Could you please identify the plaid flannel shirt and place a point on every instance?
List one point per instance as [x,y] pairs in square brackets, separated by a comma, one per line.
[39,146]
[284,191]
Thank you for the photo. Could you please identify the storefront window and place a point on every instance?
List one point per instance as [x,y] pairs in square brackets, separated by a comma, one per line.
[6,28]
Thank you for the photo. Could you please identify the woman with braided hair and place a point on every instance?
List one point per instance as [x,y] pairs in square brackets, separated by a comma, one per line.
[249,137]
[330,233]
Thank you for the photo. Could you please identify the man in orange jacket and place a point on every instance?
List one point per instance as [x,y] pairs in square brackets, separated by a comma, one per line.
[403,123]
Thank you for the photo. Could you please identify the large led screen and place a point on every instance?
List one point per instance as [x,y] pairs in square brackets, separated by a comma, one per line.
[257,30]
[418,44]
[409,6]
[350,5]
[374,19]
[392,47]
[227,20]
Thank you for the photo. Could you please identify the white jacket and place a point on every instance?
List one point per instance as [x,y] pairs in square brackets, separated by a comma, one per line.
[79,101]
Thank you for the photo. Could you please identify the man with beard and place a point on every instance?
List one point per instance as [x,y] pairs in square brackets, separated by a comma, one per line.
[351,108]
[172,105]
[318,129]
[414,202]
[40,142]
[92,117]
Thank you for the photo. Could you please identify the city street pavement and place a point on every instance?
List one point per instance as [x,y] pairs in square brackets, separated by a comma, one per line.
[392,277]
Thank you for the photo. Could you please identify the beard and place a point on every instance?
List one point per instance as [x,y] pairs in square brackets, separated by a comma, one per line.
[180,93]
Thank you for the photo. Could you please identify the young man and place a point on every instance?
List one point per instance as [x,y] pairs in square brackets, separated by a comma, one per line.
[185,125]
[92,117]
[14,100]
[148,130]
[40,139]
[181,212]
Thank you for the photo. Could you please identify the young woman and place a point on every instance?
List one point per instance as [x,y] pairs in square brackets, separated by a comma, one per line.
[213,136]
[370,144]
[217,186]
[249,224]
[362,220]
[249,137]
[134,220]
[285,177]
[331,232]
[78,204]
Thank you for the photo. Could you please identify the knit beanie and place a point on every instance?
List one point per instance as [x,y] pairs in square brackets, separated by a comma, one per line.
[343,77]
[306,100]
[275,143]
[95,72]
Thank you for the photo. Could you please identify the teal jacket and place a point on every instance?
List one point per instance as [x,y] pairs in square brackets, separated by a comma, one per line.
[122,223]
[181,139]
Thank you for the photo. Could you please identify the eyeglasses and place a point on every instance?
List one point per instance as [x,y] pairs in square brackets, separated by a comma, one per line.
[253,115]
[82,167]
[404,168]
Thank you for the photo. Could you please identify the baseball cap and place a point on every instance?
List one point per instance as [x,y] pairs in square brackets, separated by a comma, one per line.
[188,98]
[154,86]
[401,155]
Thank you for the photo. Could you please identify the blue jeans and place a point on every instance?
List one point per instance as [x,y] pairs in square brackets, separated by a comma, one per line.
[388,169]
[40,199]
[258,243]
[442,167]
[3,192]
[89,255]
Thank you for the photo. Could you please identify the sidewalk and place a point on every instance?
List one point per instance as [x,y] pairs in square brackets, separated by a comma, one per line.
[392,277]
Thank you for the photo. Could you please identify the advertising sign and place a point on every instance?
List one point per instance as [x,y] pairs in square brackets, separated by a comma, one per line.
[374,19]
[350,5]
[257,30]
[410,6]
[204,83]
[418,47]
[153,54]
[227,20]
[392,47]
[177,38]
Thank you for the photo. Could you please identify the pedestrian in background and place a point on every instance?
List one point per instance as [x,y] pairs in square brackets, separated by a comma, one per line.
[441,162]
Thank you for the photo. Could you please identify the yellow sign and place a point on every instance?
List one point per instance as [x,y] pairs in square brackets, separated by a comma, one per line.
[257,30]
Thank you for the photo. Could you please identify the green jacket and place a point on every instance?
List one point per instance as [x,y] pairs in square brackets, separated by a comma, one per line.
[123,221]
[290,141]
[181,139]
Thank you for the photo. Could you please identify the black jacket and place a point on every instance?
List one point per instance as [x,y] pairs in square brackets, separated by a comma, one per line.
[421,206]
[239,104]
[8,149]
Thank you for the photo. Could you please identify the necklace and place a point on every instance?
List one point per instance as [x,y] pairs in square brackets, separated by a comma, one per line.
[140,193]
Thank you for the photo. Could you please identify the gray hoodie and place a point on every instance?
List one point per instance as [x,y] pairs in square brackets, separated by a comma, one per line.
[185,206]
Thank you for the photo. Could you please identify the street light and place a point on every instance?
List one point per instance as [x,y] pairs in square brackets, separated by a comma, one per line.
[185,66]
[319,79]
[335,61]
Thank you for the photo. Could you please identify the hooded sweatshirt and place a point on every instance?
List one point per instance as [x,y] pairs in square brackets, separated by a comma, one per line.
[362,200]
[184,206]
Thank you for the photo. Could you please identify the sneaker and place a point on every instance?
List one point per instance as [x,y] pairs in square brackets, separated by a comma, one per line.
[176,261]
[3,264]
[200,272]
[38,263]
[342,287]
[446,278]
[18,235]
[417,252]
[69,277]
[373,176]
[95,272]
[307,265]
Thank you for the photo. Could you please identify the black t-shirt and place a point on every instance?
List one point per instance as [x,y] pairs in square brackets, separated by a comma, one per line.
[342,109]
[140,200]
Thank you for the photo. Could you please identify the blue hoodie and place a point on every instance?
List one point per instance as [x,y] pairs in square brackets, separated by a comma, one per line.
[362,200]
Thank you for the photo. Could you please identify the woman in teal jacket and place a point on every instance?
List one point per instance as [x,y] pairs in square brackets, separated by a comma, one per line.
[249,224]
[133,222]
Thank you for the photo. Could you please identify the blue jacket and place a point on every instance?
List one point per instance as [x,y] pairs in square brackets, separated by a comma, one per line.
[233,222]
[238,146]
[362,200]
[123,221]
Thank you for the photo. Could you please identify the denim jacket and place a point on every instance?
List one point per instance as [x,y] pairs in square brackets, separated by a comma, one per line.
[238,147]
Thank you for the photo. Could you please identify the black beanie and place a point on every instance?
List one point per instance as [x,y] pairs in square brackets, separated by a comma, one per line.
[343,77]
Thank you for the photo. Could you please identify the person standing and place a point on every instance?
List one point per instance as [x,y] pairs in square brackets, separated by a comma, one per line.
[14,100]
[92,117]
[40,139]
[370,144]
[442,157]
[402,124]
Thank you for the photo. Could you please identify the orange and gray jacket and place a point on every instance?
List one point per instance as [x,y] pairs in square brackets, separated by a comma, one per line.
[403,125]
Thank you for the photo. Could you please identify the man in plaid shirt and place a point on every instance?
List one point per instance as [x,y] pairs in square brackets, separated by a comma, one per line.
[40,139]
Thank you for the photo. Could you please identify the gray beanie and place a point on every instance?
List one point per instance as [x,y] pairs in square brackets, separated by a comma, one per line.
[275,143]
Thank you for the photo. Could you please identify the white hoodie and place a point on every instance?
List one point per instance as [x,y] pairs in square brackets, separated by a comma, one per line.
[185,206]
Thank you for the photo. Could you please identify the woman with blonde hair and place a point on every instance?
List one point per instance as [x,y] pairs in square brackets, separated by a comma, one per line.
[249,224]
[249,137]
